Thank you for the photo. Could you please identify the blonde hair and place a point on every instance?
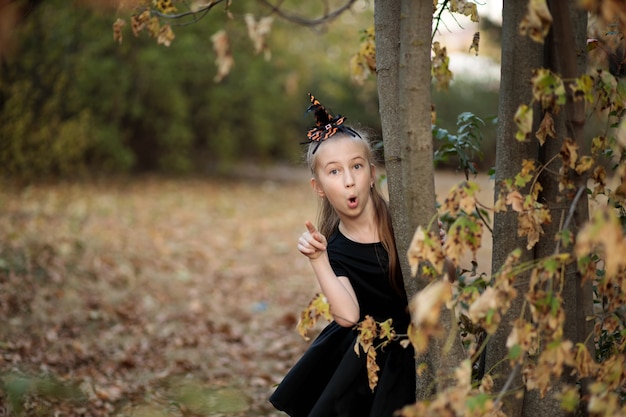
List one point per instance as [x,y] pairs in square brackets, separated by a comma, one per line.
[328,220]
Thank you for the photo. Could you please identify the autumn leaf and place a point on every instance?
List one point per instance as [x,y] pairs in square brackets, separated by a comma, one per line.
[569,397]
[440,70]
[139,21]
[386,330]
[464,234]
[606,87]
[153,26]
[485,310]
[367,333]
[582,88]
[599,181]
[488,308]
[372,369]
[486,383]
[258,32]
[462,196]
[363,63]
[586,366]
[425,310]
[548,89]
[166,36]
[117,30]
[530,221]
[524,120]
[584,164]
[500,204]
[546,128]
[526,174]
[466,8]
[613,371]
[550,364]
[619,194]
[165,6]
[425,247]
[537,21]
[603,232]
[599,144]
[318,307]
[524,336]
[603,402]
[224,59]
[515,200]
[569,153]
[475,43]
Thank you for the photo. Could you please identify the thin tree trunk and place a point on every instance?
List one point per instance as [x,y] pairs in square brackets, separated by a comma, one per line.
[387,27]
[403,67]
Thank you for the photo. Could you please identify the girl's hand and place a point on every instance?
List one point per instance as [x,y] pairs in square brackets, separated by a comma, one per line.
[312,243]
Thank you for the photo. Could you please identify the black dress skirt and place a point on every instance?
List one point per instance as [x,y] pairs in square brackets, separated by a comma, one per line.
[330,380]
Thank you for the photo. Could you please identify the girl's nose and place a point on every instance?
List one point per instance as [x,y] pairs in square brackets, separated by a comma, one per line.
[349,179]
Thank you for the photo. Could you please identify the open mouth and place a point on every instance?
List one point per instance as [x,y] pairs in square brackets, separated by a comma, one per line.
[352,202]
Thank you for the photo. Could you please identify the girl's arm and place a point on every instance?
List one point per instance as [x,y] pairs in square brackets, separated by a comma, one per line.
[343,303]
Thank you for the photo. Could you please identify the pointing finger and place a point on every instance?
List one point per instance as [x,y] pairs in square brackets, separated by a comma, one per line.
[319,240]
[310,227]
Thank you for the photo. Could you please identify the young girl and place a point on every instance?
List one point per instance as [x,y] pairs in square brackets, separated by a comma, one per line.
[353,256]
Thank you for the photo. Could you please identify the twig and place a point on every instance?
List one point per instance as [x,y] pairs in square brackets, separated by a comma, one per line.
[202,10]
[506,386]
[570,213]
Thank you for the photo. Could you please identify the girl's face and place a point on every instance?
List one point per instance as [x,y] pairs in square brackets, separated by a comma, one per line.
[344,175]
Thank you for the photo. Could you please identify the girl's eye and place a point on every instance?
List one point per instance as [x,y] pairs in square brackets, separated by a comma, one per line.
[358,166]
[333,172]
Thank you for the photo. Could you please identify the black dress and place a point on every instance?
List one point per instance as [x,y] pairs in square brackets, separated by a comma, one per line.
[330,380]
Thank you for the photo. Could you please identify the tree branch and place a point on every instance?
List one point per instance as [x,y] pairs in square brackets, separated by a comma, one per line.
[202,10]
[327,17]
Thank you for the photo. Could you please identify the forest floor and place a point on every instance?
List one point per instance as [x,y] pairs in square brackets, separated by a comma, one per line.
[156,297]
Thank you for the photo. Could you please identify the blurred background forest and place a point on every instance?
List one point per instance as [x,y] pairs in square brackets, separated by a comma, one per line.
[76,104]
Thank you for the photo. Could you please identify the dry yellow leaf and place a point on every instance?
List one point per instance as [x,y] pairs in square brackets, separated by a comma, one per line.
[546,128]
[537,21]
[224,59]
[425,247]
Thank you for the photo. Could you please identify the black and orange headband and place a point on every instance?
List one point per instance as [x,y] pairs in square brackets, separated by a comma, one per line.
[326,126]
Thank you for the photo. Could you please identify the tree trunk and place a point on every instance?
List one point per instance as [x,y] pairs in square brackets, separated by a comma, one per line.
[567,38]
[520,55]
[403,66]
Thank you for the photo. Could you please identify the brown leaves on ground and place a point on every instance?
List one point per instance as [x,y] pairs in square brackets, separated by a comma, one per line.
[152,297]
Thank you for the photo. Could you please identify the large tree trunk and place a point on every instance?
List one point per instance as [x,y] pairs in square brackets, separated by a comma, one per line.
[567,38]
[403,31]
[520,56]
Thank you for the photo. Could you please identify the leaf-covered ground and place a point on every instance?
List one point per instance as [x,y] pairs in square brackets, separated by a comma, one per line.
[152,297]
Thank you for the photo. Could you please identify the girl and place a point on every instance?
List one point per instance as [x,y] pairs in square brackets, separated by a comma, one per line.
[354,259]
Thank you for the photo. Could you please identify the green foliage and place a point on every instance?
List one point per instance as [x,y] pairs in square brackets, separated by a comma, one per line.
[73,102]
[465,145]
[483,102]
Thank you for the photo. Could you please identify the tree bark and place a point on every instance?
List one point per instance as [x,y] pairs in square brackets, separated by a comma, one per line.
[565,54]
[520,55]
[403,66]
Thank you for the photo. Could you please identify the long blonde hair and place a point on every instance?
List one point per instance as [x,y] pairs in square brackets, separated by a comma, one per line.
[328,220]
